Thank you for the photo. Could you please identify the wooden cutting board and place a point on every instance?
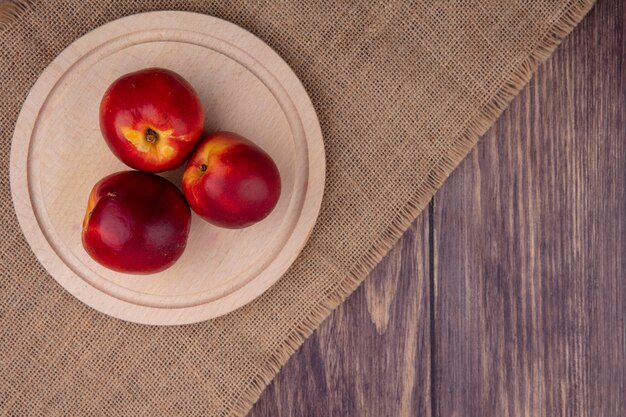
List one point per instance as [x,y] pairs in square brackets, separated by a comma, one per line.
[58,154]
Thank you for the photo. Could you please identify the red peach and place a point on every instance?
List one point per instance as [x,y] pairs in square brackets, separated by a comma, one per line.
[151,119]
[136,222]
[231,182]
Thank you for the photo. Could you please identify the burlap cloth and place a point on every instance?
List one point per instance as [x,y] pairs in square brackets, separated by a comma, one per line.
[403,90]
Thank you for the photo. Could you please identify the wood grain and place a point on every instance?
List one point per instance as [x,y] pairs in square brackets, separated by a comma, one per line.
[371,357]
[530,245]
[529,255]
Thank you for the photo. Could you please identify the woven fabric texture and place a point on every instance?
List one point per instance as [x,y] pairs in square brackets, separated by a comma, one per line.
[403,90]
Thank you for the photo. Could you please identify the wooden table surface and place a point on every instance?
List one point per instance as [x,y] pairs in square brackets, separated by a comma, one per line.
[507,296]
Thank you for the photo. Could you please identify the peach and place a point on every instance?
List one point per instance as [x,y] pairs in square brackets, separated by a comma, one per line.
[136,222]
[151,119]
[231,182]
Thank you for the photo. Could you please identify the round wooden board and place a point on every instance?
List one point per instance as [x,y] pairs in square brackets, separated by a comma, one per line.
[58,154]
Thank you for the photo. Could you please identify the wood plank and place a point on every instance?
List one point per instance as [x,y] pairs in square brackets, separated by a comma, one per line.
[371,357]
[530,245]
